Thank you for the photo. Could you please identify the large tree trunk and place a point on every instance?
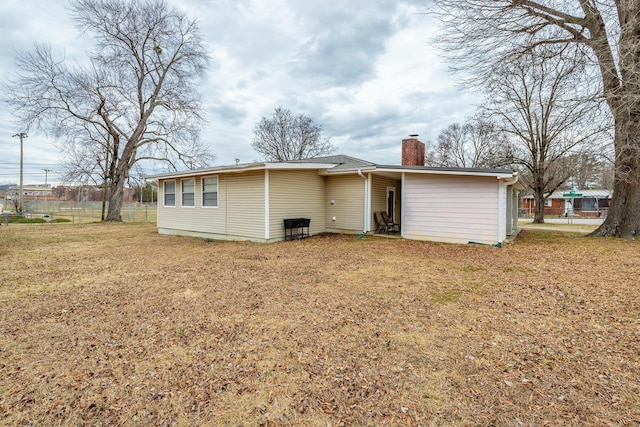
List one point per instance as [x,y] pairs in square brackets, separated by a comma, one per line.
[104,199]
[116,195]
[538,215]
[623,219]
[621,93]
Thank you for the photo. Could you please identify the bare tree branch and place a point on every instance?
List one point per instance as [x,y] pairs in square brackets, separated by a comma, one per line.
[533,101]
[137,99]
[606,33]
[287,137]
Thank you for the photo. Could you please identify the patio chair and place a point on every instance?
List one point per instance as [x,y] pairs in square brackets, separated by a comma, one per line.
[391,226]
[384,226]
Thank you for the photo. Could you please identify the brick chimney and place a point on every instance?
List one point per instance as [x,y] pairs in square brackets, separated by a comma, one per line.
[412,151]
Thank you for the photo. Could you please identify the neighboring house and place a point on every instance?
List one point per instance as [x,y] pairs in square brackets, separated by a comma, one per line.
[587,203]
[29,192]
[340,194]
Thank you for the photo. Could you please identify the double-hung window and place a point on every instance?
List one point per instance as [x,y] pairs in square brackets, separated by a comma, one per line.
[210,192]
[169,193]
[188,192]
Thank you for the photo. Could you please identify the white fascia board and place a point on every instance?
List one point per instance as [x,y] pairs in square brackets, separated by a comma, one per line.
[513,180]
[445,172]
[244,168]
[290,166]
[347,171]
[209,171]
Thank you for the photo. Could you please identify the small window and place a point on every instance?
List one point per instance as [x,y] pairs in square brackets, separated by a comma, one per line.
[548,203]
[589,204]
[210,192]
[169,193]
[188,192]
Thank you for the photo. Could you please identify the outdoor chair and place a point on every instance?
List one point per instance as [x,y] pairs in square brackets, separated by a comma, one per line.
[391,226]
[384,223]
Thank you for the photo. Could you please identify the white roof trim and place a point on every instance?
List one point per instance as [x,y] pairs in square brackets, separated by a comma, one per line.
[244,168]
[326,169]
[301,165]
[347,171]
[447,172]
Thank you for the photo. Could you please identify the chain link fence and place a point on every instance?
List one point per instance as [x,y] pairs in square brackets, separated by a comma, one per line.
[85,212]
[565,212]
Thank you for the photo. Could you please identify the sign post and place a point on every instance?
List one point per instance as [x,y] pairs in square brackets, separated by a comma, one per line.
[571,195]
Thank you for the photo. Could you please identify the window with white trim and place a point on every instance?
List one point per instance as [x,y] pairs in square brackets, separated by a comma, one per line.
[210,192]
[169,193]
[188,192]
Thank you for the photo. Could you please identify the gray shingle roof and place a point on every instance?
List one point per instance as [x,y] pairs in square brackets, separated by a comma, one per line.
[559,194]
[342,161]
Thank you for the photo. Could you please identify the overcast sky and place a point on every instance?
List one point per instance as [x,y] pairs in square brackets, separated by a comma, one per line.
[365,71]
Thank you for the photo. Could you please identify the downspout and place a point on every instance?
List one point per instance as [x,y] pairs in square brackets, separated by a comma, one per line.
[502,214]
[369,183]
[402,205]
[266,206]
[366,201]
[512,180]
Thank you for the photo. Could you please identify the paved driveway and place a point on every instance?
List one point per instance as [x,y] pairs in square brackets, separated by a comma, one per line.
[570,223]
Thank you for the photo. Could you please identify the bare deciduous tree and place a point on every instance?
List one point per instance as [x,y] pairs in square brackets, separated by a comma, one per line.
[533,101]
[135,101]
[474,144]
[482,33]
[590,170]
[284,136]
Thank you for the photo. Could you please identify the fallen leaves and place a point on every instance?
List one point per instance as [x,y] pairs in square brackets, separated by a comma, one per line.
[120,325]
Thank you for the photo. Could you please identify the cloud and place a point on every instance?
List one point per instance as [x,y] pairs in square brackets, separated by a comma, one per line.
[365,71]
[342,48]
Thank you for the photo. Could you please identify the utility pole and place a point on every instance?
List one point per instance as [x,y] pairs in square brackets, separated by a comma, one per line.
[22,136]
[46,172]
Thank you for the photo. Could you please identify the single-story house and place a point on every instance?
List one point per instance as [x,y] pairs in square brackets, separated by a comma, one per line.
[587,203]
[340,194]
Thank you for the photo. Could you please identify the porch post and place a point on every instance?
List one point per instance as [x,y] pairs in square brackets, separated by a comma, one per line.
[367,224]
[266,205]
[502,200]
[402,207]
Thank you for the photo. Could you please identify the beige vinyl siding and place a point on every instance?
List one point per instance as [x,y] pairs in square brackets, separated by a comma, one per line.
[451,209]
[197,218]
[296,194]
[245,204]
[348,193]
[379,186]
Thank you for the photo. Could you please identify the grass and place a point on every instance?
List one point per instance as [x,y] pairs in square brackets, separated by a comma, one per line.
[112,324]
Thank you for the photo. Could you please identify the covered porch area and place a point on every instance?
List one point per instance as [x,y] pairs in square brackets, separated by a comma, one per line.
[445,205]
[383,196]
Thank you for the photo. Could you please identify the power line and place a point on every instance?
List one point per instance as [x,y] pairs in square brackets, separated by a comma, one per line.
[29,163]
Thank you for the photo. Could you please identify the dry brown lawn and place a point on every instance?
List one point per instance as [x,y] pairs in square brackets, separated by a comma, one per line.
[113,324]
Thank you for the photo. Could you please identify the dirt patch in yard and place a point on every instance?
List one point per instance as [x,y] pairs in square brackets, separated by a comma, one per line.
[113,324]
